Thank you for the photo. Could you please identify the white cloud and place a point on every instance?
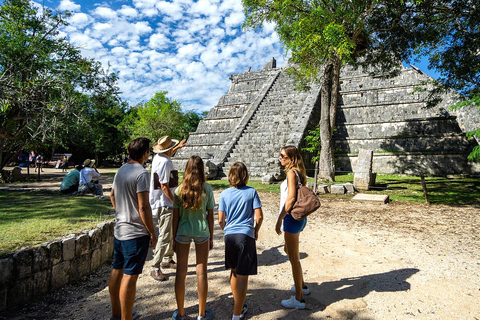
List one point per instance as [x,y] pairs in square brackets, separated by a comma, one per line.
[158,41]
[172,9]
[128,12]
[105,12]
[79,20]
[185,47]
[68,5]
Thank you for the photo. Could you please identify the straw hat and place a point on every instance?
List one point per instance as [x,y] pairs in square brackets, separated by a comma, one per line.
[164,144]
[89,163]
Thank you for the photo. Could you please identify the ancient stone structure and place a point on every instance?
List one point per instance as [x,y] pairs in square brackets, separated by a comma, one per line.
[32,272]
[262,112]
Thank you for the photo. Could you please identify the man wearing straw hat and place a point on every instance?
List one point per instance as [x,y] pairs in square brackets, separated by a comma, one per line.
[164,180]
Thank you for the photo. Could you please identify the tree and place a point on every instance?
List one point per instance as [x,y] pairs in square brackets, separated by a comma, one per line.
[448,34]
[155,118]
[43,78]
[322,36]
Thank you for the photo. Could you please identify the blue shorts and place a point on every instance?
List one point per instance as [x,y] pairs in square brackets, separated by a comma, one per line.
[187,239]
[130,255]
[293,226]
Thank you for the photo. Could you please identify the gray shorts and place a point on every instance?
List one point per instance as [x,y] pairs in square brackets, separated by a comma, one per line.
[187,239]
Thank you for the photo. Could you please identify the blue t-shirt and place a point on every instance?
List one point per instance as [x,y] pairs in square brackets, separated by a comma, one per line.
[239,205]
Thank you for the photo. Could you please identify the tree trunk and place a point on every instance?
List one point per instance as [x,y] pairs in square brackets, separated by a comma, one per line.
[327,168]
[329,101]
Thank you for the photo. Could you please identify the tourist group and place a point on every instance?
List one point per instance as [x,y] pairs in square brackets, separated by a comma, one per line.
[183,214]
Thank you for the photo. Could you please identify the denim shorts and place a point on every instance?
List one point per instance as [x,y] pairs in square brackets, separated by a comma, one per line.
[187,239]
[130,255]
[293,226]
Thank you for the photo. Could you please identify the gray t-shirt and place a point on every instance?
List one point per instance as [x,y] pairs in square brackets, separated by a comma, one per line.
[129,180]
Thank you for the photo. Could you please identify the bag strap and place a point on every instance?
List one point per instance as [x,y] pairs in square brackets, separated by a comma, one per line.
[299,183]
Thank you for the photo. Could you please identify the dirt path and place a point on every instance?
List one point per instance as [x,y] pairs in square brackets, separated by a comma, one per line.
[360,260]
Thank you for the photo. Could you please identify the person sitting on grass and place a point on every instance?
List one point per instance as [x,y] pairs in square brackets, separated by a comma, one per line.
[87,183]
[71,180]
[239,207]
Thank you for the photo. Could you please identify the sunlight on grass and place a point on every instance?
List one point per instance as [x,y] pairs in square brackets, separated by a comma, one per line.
[30,218]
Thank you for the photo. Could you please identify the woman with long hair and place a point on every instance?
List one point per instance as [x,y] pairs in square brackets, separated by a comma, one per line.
[193,221]
[291,159]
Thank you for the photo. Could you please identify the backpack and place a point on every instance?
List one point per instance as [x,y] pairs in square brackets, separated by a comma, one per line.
[306,203]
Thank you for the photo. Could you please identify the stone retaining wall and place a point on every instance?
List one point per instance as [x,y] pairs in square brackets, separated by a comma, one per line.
[32,272]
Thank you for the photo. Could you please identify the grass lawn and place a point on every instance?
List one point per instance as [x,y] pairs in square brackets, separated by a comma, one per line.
[440,190]
[30,218]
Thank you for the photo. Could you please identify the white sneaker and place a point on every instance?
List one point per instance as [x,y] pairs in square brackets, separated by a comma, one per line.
[305,290]
[293,303]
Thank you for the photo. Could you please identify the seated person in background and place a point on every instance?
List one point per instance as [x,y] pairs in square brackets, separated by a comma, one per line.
[71,180]
[87,176]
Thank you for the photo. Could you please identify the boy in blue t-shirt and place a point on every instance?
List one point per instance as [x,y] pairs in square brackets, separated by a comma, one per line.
[238,207]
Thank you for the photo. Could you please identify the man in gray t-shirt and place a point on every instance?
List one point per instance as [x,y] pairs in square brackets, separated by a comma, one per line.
[134,229]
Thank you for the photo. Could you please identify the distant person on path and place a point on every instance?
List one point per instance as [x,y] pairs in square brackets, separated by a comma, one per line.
[39,163]
[71,180]
[193,221]
[291,159]
[87,183]
[134,230]
[64,163]
[164,180]
[240,216]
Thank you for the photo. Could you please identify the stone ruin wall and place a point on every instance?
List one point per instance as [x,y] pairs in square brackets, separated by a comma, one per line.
[262,112]
[30,273]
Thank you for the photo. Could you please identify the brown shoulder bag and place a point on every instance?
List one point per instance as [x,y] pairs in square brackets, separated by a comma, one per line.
[307,201]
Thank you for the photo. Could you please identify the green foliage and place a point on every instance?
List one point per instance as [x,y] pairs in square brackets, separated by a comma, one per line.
[43,78]
[313,144]
[158,117]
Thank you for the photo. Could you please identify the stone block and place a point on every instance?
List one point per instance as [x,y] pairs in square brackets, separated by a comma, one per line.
[268,179]
[322,188]
[3,298]
[23,261]
[95,238]
[41,282]
[110,248]
[41,258]
[371,197]
[80,266]
[6,265]
[83,244]
[55,251]
[350,188]
[68,247]
[211,170]
[20,292]
[337,189]
[105,256]
[363,170]
[60,275]
[96,259]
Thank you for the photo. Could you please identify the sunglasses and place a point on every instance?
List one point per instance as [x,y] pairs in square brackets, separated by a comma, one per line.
[283,156]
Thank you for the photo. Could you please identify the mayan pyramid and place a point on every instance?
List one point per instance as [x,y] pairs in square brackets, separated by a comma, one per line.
[262,112]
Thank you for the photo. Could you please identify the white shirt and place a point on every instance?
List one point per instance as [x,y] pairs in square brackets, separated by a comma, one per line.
[88,174]
[161,165]
[283,194]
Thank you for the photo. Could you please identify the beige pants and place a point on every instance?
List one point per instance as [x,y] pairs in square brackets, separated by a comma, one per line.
[164,249]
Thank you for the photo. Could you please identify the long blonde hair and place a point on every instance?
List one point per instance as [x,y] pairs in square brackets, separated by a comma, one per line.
[193,184]
[296,162]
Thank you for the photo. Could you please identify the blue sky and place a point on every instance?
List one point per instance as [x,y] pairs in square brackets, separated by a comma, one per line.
[188,48]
